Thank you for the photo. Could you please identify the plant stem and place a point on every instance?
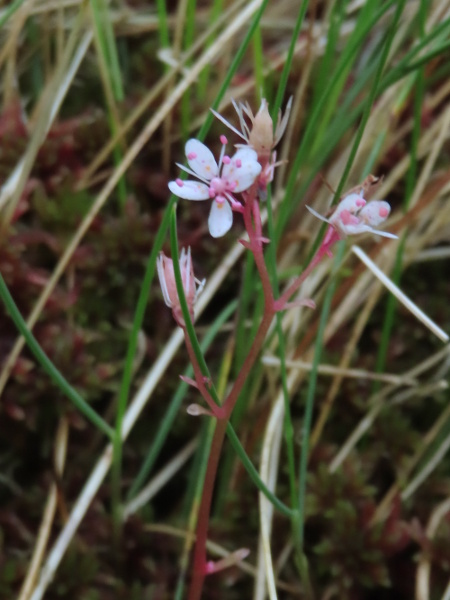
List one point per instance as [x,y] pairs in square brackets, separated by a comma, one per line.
[199,565]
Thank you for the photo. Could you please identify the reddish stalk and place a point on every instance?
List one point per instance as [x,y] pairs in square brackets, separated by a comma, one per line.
[253,225]
[256,247]
[324,250]
[218,411]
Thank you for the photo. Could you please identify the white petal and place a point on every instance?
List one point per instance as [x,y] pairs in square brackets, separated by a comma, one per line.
[190,190]
[220,219]
[201,159]
[362,228]
[244,176]
[316,214]
[353,203]
[385,234]
[245,154]
[375,212]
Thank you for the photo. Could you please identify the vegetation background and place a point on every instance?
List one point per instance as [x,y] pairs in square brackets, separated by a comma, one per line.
[97,99]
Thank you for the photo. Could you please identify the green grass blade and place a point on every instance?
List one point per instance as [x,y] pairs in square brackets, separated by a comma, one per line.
[289,58]
[307,420]
[254,476]
[9,11]
[48,366]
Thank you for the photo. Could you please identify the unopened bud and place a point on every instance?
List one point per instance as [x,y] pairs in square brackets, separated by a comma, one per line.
[168,284]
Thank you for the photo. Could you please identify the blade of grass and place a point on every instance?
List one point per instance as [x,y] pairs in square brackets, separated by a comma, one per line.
[288,426]
[186,101]
[371,98]
[289,58]
[8,12]
[107,41]
[391,305]
[111,79]
[309,404]
[48,365]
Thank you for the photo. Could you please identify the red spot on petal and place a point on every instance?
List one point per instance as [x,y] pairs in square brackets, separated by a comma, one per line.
[360,202]
[238,163]
[383,212]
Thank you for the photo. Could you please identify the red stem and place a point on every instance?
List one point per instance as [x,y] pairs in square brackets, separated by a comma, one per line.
[324,250]
[254,230]
[218,411]
[199,566]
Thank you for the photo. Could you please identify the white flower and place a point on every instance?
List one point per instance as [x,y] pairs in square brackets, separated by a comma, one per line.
[354,215]
[219,181]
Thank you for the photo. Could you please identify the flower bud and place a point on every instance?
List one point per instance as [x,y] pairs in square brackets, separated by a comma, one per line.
[168,284]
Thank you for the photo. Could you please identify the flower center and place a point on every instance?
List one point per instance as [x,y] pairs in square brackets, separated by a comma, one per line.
[217,186]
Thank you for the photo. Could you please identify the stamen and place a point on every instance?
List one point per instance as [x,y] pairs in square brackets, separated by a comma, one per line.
[179,182]
[192,155]
[223,140]
[222,152]
[226,160]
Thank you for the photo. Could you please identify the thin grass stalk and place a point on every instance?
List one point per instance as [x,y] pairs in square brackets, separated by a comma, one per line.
[59,459]
[288,204]
[281,350]
[186,101]
[113,91]
[49,366]
[47,108]
[371,98]
[307,421]
[281,90]
[9,11]
[389,316]
[258,59]
[163,26]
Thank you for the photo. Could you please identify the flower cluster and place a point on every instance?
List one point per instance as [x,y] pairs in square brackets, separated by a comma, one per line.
[260,136]
[354,215]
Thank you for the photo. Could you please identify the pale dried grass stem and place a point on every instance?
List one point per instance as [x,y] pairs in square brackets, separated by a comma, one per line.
[160,479]
[424,567]
[401,297]
[61,439]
